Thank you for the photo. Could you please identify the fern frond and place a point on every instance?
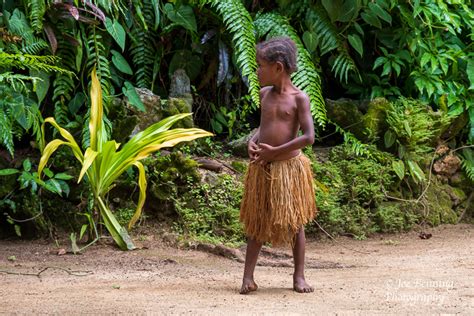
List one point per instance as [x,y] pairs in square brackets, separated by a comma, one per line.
[17,81]
[20,30]
[37,9]
[329,40]
[467,163]
[97,57]
[63,84]
[23,61]
[357,147]
[239,23]
[307,77]
[143,49]
[35,47]
[6,135]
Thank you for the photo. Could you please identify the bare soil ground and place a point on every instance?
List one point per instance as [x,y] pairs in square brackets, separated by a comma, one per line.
[387,274]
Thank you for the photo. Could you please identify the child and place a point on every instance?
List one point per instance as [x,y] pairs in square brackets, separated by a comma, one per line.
[279,197]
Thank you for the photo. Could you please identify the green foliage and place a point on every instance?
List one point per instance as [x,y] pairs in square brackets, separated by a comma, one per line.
[210,212]
[144,49]
[18,115]
[328,38]
[467,162]
[103,163]
[240,24]
[350,193]
[169,175]
[306,78]
[37,9]
[97,57]
[413,128]
[23,61]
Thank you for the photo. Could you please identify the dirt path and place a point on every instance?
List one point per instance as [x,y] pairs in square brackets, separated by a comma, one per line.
[396,274]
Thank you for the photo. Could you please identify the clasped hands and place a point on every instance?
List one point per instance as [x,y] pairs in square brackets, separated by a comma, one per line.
[261,153]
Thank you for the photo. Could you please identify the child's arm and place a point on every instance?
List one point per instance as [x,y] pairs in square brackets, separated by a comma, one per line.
[267,152]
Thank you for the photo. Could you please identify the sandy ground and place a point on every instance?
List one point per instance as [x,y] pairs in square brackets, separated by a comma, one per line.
[389,274]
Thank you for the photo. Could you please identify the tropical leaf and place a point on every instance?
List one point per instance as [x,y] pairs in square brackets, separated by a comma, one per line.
[240,24]
[329,40]
[103,164]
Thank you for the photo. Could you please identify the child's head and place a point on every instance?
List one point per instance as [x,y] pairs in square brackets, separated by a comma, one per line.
[279,49]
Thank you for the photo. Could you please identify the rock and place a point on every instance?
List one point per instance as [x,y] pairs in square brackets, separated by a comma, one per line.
[346,114]
[180,88]
[439,205]
[174,106]
[180,84]
[239,146]
[447,166]
[459,180]
[457,196]
[374,121]
[128,120]
[210,178]
[153,110]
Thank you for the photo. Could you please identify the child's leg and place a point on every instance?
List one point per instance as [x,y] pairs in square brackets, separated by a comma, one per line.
[299,283]
[253,249]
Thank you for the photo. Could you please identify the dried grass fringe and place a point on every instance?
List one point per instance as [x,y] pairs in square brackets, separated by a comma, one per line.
[278,200]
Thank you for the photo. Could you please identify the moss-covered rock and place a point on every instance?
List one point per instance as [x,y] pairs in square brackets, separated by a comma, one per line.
[394,216]
[239,146]
[346,114]
[174,106]
[374,121]
[169,174]
[240,166]
[439,206]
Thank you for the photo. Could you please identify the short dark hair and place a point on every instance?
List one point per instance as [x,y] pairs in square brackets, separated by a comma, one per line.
[282,49]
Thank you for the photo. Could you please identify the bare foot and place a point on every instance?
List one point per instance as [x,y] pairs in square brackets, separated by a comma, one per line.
[248,285]
[300,285]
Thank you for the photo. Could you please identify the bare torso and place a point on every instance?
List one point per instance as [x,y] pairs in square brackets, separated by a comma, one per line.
[279,120]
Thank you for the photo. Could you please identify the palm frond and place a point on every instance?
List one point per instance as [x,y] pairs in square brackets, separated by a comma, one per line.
[307,77]
[240,24]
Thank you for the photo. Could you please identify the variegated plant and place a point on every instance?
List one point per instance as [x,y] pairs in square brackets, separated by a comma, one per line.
[105,160]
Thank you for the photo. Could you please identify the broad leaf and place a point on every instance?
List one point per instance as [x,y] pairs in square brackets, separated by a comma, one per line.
[129,91]
[141,199]
[381,13]
[116,30]
[356,42]
[7,172]
[389,138]
[310,40]
[415,171]
[399,168]
[121,63]
[182,15]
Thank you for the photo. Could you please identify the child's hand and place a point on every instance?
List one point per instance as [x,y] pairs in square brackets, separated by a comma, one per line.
[265,153]
[252,150]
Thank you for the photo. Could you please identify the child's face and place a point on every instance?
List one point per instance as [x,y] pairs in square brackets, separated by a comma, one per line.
[266,72]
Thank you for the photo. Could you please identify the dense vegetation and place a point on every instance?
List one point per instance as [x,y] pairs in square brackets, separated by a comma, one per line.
[410,63]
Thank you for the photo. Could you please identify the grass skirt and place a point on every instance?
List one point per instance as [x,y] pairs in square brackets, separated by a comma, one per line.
[278,200]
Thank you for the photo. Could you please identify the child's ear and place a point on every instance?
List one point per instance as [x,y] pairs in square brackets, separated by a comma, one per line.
[279,66]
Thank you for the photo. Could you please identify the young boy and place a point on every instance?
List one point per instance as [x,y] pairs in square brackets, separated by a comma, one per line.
[279,197]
